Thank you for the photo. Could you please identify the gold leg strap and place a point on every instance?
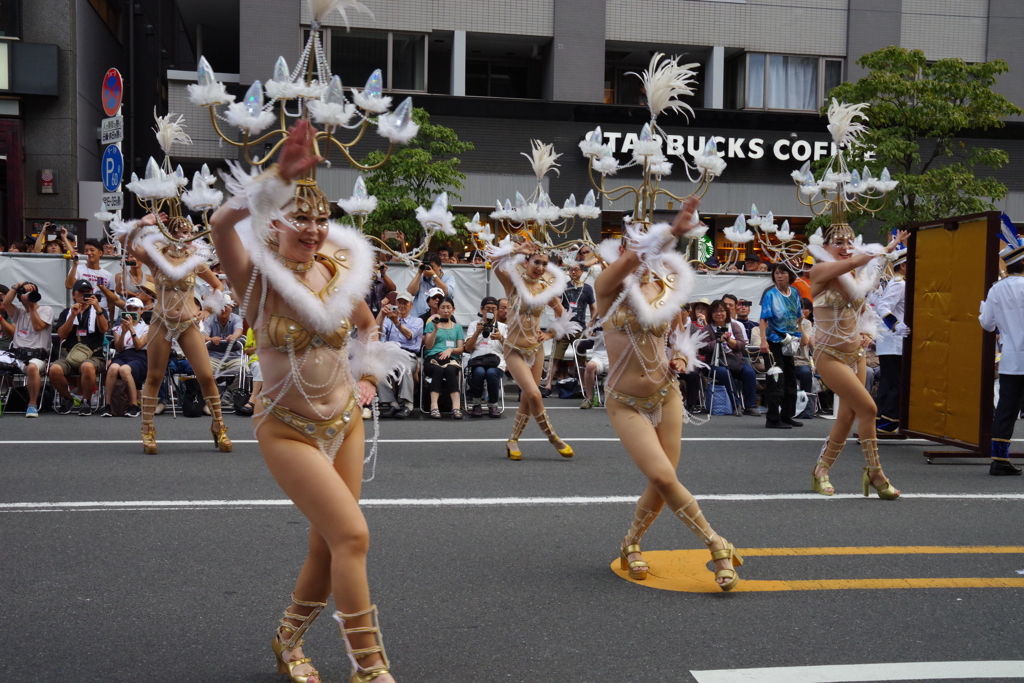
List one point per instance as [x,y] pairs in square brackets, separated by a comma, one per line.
[522,419]
[705,533]
[642,520]
[829,452]
[545,426]
[214,404]
[306,620]
[149,404]
[870,448]
[361,675]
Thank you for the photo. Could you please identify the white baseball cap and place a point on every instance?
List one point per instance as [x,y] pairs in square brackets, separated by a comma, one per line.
[435,291]
[134,302]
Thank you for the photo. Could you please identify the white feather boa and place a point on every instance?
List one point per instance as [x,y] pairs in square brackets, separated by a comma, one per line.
[267,196]
[554,276]
[564,326]
[869,323]
[678,277]
[501,251]
[649,244]
[688,346]
[151,242]
[353,285]
[862,281]
[376,359]
[216,301]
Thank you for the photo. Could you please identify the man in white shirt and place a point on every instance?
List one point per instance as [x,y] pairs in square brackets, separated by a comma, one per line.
[486,363]
[31,325]
[890,304]
[102,280]
[1003,310]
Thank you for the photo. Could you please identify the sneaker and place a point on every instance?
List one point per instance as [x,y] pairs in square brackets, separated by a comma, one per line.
[133,411]
[493,410]
[31,411]
[160,408]
[752,412]
[106,411]
[84,410]
[64,406]
[367,413]
[587,404]
[476,411]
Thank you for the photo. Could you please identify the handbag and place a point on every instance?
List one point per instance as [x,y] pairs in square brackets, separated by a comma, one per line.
[488,360]
[718,401]
[78,354]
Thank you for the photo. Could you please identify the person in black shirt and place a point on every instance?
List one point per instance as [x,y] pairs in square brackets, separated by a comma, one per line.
[84,324]
[578,298]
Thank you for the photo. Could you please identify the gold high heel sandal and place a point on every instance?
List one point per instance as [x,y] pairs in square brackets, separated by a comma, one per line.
[885,490]
[517,428]
[359,674]
[295,641]
[822,484]
[642,520]
[148,430]
[708,535]
[220,435]
[545,426]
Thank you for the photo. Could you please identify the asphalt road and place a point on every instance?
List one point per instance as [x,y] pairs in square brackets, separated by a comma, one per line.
[518,591]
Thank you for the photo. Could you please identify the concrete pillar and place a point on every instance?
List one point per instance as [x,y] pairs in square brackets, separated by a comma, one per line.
[269,29]
[871,25]
[459,64]
[714,79]
[576,57]
[1005,26]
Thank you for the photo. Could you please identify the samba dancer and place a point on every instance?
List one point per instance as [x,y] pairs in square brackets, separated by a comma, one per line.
[176,266]
[531,284]
[306,281]
[639,295]
[844,326]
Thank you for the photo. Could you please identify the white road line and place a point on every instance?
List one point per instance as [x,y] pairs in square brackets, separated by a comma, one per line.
[902,671]
[460,502]
[816,439]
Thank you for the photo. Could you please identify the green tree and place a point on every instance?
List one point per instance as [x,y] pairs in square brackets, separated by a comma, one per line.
[918,113]
[414,176]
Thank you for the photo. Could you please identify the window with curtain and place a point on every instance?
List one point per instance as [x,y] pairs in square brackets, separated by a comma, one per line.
[792,82]
[784,82]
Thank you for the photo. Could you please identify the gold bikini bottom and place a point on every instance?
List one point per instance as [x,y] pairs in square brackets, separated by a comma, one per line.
[321,430]
[174,329]
[850,359]
[527,352]
[646,403]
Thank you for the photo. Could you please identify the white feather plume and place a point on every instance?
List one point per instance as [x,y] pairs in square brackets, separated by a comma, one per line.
[358,206]
[215,301]
[388,128]
[321,9]
[664,82]
[564,326]
[238,115]
[376,359]
[501,251]
[606,164]
[279,90]
[841,122]
[689,345]
[818,238]
[738,232]
[377,105]
[170,129]
[267,197]
[104,216]
[202,198]
[696,233]
[162,186]
[436,218]
[542,158]
[648,244]
[208,95]
[588,212]
[331,113]
[713,164]
[237,181]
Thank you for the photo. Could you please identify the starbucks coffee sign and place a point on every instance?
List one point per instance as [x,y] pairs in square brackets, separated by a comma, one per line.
[783,147]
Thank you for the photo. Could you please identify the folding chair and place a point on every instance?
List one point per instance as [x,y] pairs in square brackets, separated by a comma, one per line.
[466,371]
[579,348]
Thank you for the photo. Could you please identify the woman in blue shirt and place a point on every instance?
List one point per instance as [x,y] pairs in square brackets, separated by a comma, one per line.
[444,341]
[780,318]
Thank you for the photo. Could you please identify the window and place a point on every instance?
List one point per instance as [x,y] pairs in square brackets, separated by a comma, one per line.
[10,19]
[786,82]
[401,58]
[110,13]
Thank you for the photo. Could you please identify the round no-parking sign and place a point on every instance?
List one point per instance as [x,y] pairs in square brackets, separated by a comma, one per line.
[112,90]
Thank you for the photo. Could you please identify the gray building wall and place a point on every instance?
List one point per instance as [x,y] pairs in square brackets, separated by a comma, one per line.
[872,25]
[98,51]
[51,123]
[271,28]
[576,60]
[1005,29]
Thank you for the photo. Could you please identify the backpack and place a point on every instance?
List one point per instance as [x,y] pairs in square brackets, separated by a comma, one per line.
[119,398]
[191,398]
[567,387]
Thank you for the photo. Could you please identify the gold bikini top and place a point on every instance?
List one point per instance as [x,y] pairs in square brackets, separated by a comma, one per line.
[185,284]
[524,307]
[625,319]
[286,333]
[836,300]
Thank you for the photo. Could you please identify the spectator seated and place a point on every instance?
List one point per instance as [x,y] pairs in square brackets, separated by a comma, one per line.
[444,341]
[81,329]
[221,334]
[29,332]
[486,364]
[131,363]
[398,324]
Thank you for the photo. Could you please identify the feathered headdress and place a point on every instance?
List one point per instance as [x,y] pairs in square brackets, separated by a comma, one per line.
[1008,233]
[664,82]
[542,158]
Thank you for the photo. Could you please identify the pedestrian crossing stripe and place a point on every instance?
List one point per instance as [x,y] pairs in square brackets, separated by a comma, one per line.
[687,570]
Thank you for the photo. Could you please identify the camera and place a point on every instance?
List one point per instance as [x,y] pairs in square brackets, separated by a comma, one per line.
[131,263]
[130,315]
[393,309]
[423,266]
[34,296]
[720,333]
[488,327]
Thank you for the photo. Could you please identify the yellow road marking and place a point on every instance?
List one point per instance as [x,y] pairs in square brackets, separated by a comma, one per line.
[686,570]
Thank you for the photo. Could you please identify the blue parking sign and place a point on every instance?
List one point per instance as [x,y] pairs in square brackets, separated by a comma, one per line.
[112,168]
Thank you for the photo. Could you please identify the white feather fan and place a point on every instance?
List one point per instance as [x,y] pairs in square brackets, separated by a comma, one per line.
[689,345]
[170,129]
